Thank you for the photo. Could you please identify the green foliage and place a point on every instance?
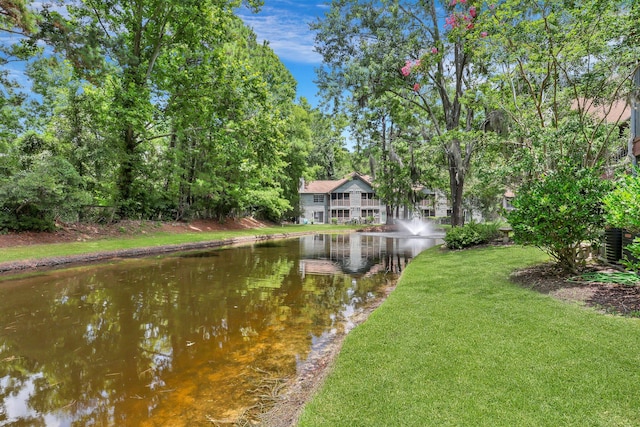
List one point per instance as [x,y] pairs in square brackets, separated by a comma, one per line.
[172,109]
[560,212]
[622,205]
[328,158]
[191,103]
[471,234]
[268,203]
[622,210]
[558,68]
[15,14]
[632,260]
[35,197]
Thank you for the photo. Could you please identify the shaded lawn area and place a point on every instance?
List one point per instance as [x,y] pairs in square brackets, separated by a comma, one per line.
[458,344]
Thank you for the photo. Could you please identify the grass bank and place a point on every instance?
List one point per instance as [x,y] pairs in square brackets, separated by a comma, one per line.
[150,240]
[457,344]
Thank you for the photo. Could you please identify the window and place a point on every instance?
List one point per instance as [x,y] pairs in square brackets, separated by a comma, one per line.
[508,203]
[340,213]
[318,198]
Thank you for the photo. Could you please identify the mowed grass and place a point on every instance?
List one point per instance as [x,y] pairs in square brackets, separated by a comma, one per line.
[152,239]
[457,344]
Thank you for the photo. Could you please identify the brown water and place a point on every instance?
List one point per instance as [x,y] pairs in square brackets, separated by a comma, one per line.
[182,340]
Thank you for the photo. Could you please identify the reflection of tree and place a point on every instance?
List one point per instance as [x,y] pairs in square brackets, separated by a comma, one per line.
[114,344]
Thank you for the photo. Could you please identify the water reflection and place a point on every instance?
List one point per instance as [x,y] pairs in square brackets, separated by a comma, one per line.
[180,340]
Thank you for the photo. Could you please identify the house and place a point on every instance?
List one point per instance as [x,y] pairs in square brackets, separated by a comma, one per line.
[343,200]
[353,198]
[433,204]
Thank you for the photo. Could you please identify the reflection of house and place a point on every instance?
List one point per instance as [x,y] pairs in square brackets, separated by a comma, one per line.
[354,198]
[357,253]
[347,253]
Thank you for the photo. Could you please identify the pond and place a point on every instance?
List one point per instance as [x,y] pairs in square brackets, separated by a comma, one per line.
[191,338]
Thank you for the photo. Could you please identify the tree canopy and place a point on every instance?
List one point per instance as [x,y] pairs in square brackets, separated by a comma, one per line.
[173,110]
[153,109]
[476,86]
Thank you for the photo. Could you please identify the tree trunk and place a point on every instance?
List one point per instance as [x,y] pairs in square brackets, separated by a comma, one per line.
[127,167]
[456,185]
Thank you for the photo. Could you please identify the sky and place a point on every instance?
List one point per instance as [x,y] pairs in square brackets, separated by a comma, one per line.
[285,25]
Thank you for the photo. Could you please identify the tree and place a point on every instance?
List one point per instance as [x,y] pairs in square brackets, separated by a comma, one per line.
[400,49]
[122,43]
[15,17]
[19,22]
[559,68]
[386,149]
[622,210]
[231,130]
[328,158]
[71,114]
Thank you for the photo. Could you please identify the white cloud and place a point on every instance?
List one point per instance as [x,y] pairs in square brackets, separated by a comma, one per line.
[287,31]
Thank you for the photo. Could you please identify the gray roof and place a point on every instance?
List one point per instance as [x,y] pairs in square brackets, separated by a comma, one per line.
[326,187]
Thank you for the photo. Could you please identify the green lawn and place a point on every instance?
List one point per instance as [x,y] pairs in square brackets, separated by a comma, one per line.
[456,344]
[152,239]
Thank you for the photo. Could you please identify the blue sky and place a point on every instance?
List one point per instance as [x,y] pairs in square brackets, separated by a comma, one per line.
[285,25]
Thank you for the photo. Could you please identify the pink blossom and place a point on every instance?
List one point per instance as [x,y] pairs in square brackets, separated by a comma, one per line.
[462,1]
[451,21]
[484,34]
[434,50]
[417,63]
[492,6]
[453,2]
[470,26]
[406,70]
[416,87]
[472,11]
[467,18]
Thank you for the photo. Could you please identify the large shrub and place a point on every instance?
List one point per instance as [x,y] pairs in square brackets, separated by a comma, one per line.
[471,234]
[34,197]
[622,210]
[560,212]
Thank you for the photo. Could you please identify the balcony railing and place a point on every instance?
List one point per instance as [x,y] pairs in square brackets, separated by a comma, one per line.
[369,202]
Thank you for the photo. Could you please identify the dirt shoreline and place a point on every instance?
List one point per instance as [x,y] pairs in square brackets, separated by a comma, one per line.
[297,392]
